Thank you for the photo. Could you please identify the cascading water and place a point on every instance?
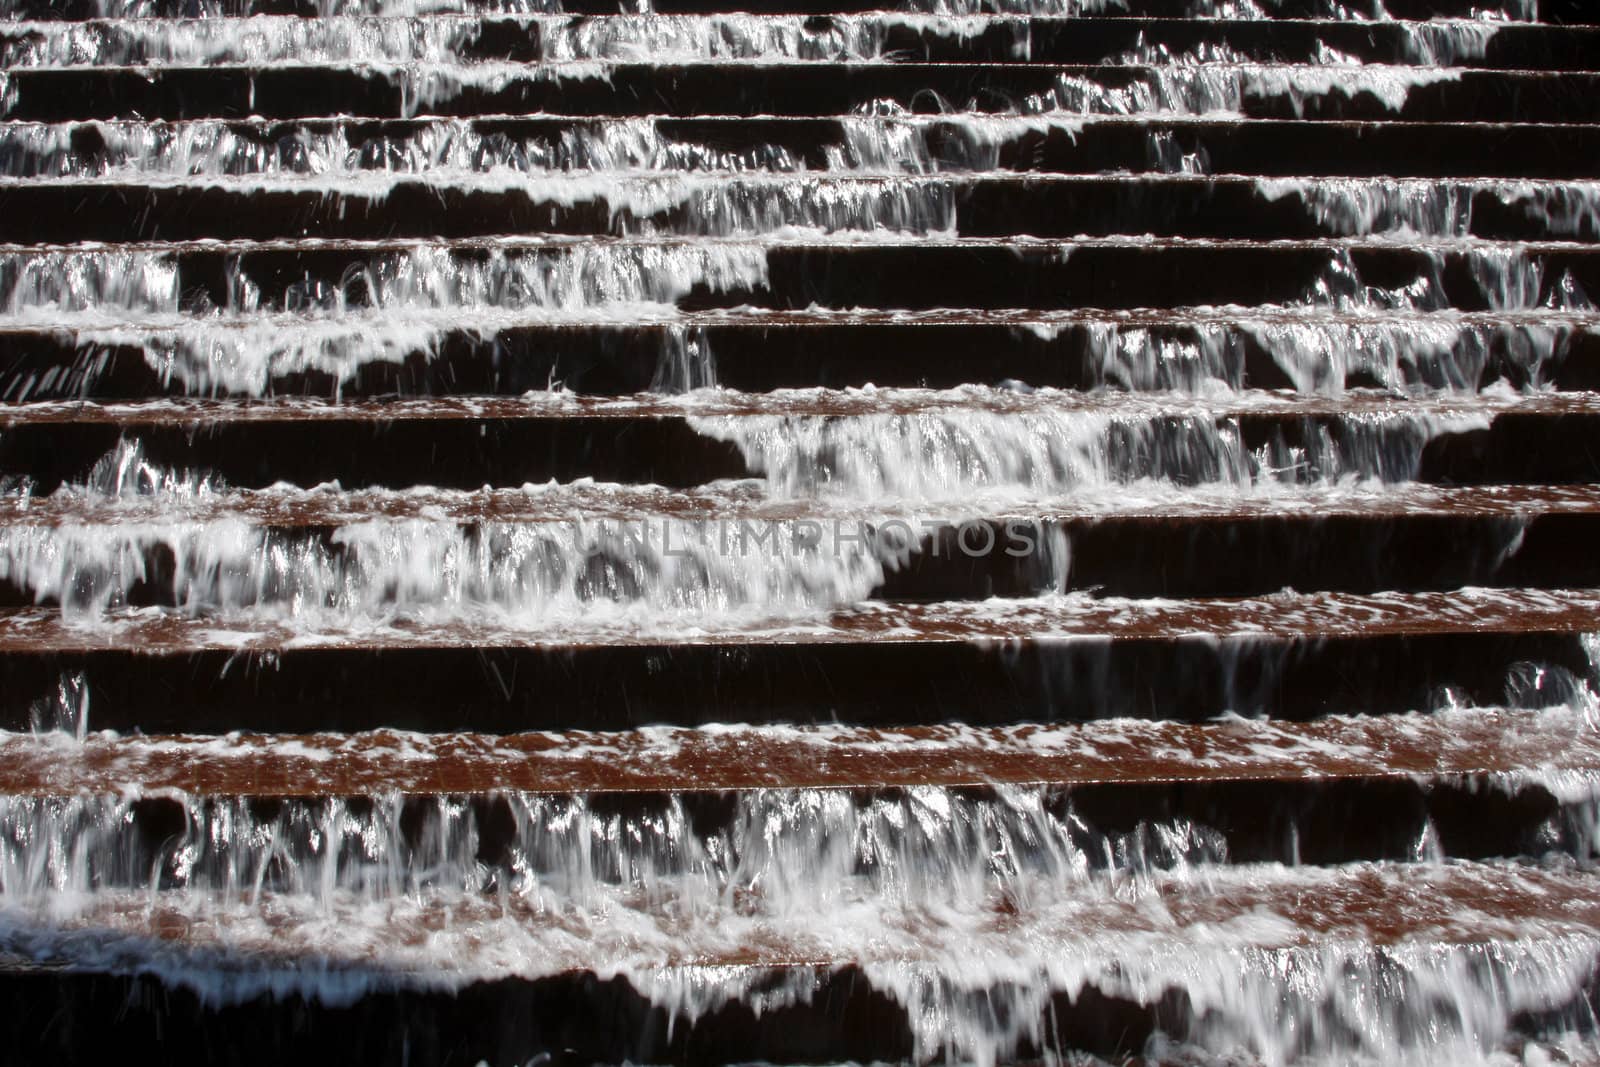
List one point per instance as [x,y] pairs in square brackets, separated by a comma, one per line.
[1259,726]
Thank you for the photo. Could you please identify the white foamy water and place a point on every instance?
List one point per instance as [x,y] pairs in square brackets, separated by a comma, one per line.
[647,567]
[386,308]
[506,274]
[1265,998]
[647,182]
[652,569]
[1353,10]
[1319,353]
[1438,350]
[339,154]
[795,849]
[1431,207]
[1219,79]
[938,456]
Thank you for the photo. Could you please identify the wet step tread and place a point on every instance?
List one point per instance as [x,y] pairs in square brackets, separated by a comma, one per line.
[818,402]
[569,504]
[1282,616]
[536,242]
[742,318]
[1264,909]
[1474,742]
[845,241]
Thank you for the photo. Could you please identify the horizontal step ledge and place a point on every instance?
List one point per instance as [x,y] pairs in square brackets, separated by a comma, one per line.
[1558,12]
[1043,321]
[742,506]
[554,122]
[1510,745]
[444,938]
[359,181]
[587,69]
[800,403]
[1284,616]
[846,240]
[912,19]
[1376,92]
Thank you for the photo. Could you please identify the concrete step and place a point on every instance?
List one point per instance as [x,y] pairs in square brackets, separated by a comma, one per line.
[1538,439]
[1363,916]
[809,90]
[505,687]
[573,280]
[490,153]
[1288,615]
[40,210]
[1436,748]
[757,350]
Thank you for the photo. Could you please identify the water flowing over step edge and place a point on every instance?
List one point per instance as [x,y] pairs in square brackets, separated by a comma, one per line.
[1052,619]
[800,514]
[765,564]
[438,55]
[1226,791]
[659,348]
[773,554]
[455,40]
[366,157]
[730,204]
[212,282]
[1487,746]
[94,291]
[512,149]
[817,533]
[1339,92]
[445,39]
[1485,941]
[784,434]
[872,455]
